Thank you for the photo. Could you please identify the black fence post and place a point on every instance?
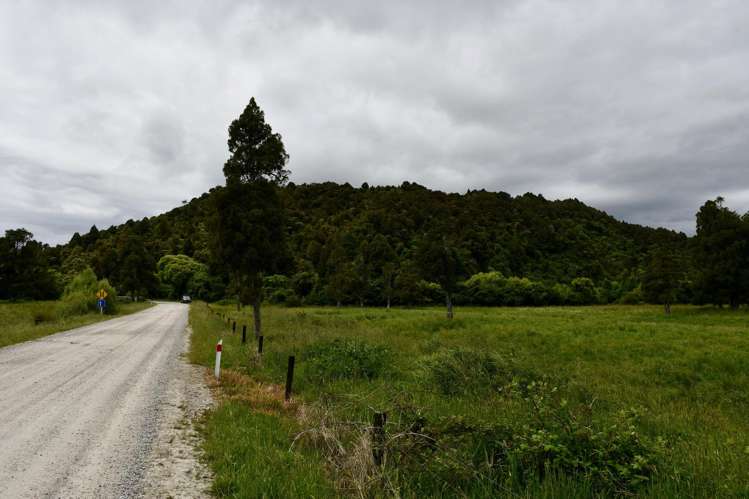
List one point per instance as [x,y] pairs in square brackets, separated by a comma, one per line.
[244,334]
[260,344]
[378,437]
[234,327]
[289,378]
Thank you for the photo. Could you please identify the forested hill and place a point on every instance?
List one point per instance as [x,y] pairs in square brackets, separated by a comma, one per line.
[351,244]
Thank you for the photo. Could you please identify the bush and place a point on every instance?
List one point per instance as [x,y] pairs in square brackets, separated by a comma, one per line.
[633,297]
[584,291]
[345,359]
[80,295]
[554,440]
[484,288]
[45,314]
[464,372]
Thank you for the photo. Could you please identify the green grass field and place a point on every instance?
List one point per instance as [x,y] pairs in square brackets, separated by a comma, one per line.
[508,402]
[25,321]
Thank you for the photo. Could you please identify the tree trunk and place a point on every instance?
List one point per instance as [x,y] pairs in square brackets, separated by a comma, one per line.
[449,306]
[256,316]
[338,304]
[361,302]
[388,302]
[667,308]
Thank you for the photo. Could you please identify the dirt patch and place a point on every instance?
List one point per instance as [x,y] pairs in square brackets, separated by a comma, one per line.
[175,469]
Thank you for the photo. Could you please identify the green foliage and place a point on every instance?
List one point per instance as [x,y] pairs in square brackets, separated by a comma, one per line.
[184,276]
[662,277]
[248,235]
[80,295]
[25,271]
[685,374]
[136,271]
[251,456]
[583,291]
[256,152]
[554,440]
[460,371]
[722,255]
[634,297]
[360,245]
[345,359]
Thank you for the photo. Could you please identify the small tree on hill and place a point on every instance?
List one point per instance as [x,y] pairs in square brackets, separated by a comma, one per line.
[441,262]
[248,228]
[661,279]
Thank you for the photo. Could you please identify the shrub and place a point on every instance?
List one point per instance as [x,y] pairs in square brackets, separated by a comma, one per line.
[584,291]
[80,295]
[554,440]
[45,314]
[633,297]
[345,359]
[484,288]
[463,372]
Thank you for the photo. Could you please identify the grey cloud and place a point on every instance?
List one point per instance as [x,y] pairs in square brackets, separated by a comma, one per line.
[114,110]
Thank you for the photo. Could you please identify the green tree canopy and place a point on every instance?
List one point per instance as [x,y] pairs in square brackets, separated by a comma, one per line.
[662,276]
[183,275]
[722,254]
[440,261]
[24,268]
[256,152]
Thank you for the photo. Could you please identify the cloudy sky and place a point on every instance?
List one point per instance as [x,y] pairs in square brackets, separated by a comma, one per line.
[116,110]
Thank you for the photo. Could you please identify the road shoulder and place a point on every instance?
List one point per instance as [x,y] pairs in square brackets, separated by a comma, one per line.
[175,468]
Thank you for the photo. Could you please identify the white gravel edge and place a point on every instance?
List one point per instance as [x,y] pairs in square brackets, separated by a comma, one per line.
[174,468]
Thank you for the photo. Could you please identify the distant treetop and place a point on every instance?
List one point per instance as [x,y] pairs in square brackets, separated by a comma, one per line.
[256,152]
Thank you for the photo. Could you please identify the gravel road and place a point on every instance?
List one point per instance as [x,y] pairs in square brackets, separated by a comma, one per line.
[80,410]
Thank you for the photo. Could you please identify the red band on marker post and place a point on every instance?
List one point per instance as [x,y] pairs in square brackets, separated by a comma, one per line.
[218,347]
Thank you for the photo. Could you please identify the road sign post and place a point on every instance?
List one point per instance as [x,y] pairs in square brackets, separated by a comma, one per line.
[101,303]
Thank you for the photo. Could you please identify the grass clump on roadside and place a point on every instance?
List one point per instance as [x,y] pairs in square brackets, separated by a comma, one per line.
[250,456]
[248,436]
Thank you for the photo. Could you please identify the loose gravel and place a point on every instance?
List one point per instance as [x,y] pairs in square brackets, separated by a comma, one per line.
[85,413]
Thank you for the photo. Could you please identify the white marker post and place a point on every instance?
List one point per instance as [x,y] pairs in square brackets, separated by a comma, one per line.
[217,370]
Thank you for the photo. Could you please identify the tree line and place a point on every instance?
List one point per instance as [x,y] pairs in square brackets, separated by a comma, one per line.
[259,237]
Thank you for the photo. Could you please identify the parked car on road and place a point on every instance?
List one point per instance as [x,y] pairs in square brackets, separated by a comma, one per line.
[186,299]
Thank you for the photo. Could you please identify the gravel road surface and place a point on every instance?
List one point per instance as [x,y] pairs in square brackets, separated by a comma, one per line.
[80,410]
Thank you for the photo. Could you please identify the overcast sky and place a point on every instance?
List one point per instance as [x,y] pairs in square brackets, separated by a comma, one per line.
[116,110]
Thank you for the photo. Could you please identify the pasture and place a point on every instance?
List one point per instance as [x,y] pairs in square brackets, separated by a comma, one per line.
[498,402]
[29,320]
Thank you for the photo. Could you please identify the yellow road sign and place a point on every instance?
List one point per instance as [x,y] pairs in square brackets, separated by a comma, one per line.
[101,294]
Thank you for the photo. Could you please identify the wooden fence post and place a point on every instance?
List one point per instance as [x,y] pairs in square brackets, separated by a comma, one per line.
[378,437]
[289,378]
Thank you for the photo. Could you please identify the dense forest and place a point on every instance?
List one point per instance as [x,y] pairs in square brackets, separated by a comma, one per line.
[362,245]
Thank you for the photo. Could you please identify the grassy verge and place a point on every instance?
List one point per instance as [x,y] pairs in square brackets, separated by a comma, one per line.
[30,320]
[248,437]
[524,402]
